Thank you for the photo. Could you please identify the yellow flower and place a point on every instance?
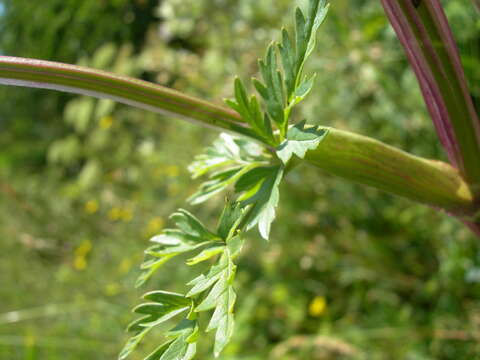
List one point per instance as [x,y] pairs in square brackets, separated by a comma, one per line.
[84,248]
[126,215]
[81,252]
[91,206]
[115,213]
[106,122]
[80,263]
[317,306]
[155,225]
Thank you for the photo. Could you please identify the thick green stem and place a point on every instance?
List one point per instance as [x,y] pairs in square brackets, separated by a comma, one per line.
[354,157]
[371,162]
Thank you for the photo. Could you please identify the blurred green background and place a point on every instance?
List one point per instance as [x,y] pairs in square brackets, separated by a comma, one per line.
[350,273]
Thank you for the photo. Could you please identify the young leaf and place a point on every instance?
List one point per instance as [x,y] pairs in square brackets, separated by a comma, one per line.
[190,225]
[158,317]
[299,140]
[184,346]
[218,182]
[204,282]
[232,158]
[226,152]
[260,187]
[167,298]
[158,352]
[224,331]
[149,267]
[250,112]
[222,298]
[206,254]
[229,220]
[190,235]
[217,290]
[282,91]
[235,245]
[132,344]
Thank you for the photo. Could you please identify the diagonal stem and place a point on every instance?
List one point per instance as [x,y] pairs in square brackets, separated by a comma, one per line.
[126,90]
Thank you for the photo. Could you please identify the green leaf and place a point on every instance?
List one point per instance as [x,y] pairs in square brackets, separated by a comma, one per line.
[176,350]
[300,139]
[305,31]
[211,300]
[203,282]
[260,187]
[303,89]
[250,112]
[224,333]
[136,325]
[158,352]
[223,320]
[186,327]
[287,54]
[247,166]
[227,151]
[168,251]
[190,225]
[158,313]
[206,254]
[149,267]
[318,12]
[167,298]
[181,347]
[229,220]
[221,297]
[218,182]
[190,235]
[235,245]
[237,157]
[132,344]
[272,91]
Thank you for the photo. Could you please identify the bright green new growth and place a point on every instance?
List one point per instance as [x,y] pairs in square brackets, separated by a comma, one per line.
[299,140]
[210,291]
[281,91]
[254,173]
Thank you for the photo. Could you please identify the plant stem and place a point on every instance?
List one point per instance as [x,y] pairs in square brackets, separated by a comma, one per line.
[370,162]
[354,157]
[424,32]
[126,90]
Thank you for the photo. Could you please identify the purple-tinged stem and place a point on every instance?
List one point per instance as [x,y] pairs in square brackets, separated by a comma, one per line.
[424,32]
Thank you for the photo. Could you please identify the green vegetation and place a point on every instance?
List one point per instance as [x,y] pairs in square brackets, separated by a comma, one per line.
[349,273]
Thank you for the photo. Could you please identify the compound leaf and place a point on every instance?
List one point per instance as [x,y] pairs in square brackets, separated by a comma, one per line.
[299,140]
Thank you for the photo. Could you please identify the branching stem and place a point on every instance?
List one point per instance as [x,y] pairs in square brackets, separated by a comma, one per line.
[354,157]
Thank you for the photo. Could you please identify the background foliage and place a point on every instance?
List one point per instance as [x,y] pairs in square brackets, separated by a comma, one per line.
[350,273]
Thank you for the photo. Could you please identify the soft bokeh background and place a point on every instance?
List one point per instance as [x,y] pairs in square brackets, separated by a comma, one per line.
[350,273]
